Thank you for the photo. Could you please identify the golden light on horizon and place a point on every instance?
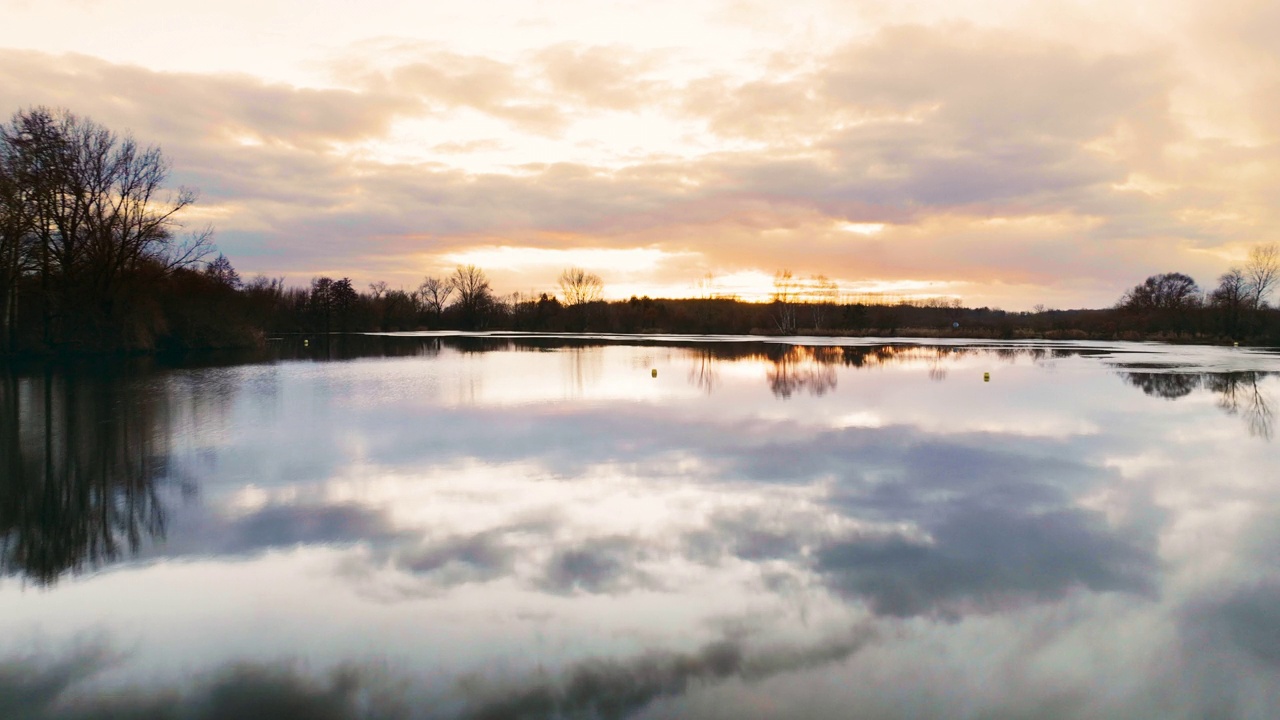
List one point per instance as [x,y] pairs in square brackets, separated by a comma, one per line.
[1008,151]
[862,228]
[533,260]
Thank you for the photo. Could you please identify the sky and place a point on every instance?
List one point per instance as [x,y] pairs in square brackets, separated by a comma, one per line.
[1007,153]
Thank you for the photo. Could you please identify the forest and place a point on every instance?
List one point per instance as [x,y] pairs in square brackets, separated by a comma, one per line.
[95,257]
[1169,306]
[93,253]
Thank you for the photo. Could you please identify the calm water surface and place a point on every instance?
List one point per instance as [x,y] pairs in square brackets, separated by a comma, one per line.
[519,527]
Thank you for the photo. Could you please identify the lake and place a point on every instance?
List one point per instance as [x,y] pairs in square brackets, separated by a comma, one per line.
[510,526]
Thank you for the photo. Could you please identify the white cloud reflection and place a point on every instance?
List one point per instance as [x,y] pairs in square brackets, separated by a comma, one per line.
[742,550]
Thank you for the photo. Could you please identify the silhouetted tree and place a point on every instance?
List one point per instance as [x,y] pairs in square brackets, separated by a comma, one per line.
[1262,271]
[15,239]
[321,302]
[580,290]
[86,212]
[1169,291]
[823,295]
[1230,299]
[578,286]
[434,294]
[265,303]
[785,290]
[399,311]
[344,298]
[475,297]
[1163,302]
[220,269]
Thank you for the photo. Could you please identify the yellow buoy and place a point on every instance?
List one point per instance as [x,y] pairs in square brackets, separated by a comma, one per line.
[653,372]
[986,377]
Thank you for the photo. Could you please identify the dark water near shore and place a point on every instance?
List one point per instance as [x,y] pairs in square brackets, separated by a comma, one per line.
[533,527]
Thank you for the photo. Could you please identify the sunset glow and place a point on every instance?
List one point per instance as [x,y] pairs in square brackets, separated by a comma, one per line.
[1006,153]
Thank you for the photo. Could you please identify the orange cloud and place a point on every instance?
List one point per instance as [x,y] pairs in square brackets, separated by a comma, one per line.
[984,156]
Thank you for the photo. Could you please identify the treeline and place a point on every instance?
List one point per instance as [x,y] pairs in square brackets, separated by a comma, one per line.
[1165,307]
[465,301]
[1172,303]
[94,257]
[1169,306]
[93,254]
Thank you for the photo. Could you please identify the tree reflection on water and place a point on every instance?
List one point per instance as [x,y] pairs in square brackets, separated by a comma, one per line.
[85,456]
[830,534]
[795,368]
[1239,393]
[80,457]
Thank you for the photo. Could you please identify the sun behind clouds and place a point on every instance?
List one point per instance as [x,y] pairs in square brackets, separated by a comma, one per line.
[1006,153]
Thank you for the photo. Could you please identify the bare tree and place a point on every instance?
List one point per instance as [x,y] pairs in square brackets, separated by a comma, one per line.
[1230,299]
[786,289]
[1262,271]
[15,236]
[434,293]
[321,302]
[220,269]
[345,298]
[135,219]
[38,153]
[579,286]
[706,285]
[100,202]
[95,212]
[1168,291]
[823,295]
[1164,303]
[475,296]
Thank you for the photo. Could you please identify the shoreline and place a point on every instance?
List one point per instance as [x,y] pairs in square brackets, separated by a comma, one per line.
[1018,334]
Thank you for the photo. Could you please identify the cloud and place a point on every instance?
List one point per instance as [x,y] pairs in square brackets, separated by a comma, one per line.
[1250,617]
[204,110]
[476,557]
[980,560]
[538,95]
[49,689]
[463,558]
[1000,154]
[932,131]
[600,77]
[40,688]
[30,686]
[278,526]
[603,565]
[619,688]
[750,535]
[196,529]
[449,81]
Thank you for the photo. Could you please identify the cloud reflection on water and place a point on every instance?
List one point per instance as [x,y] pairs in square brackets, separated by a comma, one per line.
[46,689]
[739,501]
